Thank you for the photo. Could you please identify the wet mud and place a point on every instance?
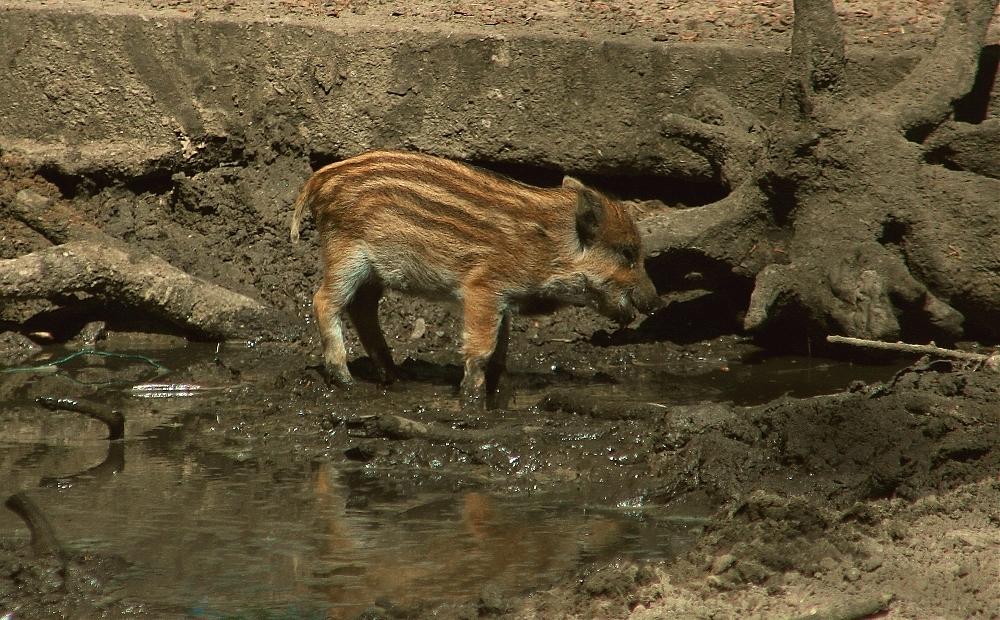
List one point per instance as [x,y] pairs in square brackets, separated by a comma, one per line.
[621,469]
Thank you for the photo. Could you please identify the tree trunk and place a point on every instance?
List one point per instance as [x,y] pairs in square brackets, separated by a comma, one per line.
[835,212]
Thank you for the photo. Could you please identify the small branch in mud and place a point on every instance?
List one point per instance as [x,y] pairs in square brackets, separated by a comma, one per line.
[43,537]
[580,403]
[114,420]
[398,427]
[991,361]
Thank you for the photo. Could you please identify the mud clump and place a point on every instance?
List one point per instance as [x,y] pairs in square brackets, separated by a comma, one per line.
[47,587]
[922,433]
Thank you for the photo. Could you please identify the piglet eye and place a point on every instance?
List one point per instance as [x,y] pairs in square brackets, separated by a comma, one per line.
[630,254]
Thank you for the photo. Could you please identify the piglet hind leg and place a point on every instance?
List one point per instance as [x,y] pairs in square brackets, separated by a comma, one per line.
[331,330]
[363,311]
[485,334]
[343,275]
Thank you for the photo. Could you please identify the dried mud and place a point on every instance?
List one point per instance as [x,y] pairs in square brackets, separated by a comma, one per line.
[881,498]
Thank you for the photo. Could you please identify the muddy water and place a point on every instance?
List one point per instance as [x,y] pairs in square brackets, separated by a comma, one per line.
[208,524]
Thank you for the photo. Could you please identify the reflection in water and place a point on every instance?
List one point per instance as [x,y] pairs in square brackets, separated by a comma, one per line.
[455,547]
[218,537]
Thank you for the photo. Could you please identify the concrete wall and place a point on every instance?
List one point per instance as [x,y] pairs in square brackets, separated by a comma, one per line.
[133,86]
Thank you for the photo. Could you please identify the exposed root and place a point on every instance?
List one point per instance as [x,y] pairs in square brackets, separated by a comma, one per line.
[864,294]
[398,427]
[728,138]
[581,403]
[113,419]
[924,98]
[139,280]
[975,148]
[773,283]
[728,231]
[43,537]
[88,260]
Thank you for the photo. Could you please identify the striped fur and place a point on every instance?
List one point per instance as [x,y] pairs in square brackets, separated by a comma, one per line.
[442,229]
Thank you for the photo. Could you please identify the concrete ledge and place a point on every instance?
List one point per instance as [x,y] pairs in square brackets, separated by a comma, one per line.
[80,79]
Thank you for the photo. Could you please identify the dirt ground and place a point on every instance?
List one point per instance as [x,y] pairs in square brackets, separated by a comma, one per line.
[882,500]
[886,24]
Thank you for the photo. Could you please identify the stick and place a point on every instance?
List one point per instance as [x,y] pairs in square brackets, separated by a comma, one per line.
[923,349]
[398,427]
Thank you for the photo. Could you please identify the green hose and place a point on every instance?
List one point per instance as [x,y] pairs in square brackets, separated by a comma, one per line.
[160,368]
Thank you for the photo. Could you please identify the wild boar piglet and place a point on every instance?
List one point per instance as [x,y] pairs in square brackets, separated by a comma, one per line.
[446,230]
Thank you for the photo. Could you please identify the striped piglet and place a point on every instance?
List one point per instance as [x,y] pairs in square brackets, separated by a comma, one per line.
[445,230]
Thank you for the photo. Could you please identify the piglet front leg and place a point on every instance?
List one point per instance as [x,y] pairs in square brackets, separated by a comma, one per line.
[485,334]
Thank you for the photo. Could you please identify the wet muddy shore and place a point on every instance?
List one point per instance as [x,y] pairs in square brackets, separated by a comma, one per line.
[679,483]
[680,467]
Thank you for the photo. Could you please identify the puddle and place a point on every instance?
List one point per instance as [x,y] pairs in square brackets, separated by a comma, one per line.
[227,538]
[759,381]
[219,530]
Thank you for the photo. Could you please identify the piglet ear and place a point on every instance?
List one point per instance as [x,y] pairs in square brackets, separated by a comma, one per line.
[573,183]
[589,213]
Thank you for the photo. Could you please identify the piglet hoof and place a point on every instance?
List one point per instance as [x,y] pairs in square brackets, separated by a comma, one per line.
[338,378]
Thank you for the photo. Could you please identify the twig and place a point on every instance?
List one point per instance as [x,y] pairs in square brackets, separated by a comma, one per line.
[923,349]
[398,427]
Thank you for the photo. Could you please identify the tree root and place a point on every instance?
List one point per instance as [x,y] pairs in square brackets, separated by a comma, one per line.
[924,98]
[86,259]
[727,137]
[575,401]
[113,419]
[967,146]
[398,427]
[43,537]
[864,292]
[54,221]
[730,231]
[833,210]
[136,279]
